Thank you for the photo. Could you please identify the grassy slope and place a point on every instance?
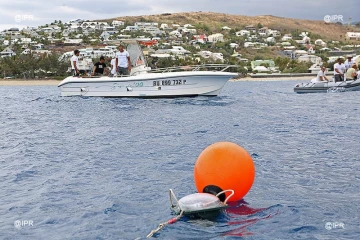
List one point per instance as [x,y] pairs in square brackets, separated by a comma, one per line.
[217,20]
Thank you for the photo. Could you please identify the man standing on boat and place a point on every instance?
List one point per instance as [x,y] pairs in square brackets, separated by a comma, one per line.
[339,70]
[123,61]
[349,62]
[75,63]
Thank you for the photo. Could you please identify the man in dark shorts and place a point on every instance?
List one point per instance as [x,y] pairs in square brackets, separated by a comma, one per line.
[100,67]
[75,64]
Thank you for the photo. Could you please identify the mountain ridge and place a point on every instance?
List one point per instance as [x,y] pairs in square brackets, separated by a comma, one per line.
[329,31]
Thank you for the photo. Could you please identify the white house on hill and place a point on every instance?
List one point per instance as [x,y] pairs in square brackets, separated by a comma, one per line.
[7,52]
[320,42]
[217,37]
[352,36]
[243,33]
[117,23]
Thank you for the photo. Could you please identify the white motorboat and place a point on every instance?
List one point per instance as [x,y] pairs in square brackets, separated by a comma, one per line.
[144,82]
[331,86]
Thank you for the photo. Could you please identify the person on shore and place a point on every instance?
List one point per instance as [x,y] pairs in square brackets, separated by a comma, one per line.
[349,62]
[100,67]
[351,73]
[113,66]
[123,62]
[320,76]
[339,70]
[75,63]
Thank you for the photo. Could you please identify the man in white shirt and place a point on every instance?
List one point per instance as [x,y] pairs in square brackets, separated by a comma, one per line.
[349,62]
[75,63]
[320,76]
[339,70]
[123,61]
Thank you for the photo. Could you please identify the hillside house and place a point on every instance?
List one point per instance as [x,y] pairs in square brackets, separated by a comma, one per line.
[263,31]
[108,28]
[310,49]
[144,25]
[270,40]
[105,36]
[243,33]
[217,37]
[7,52]
[175,33]
[263,65]
[251,28]
[310,58]
[200,38]
[286,37]
[320,42]
[130,29]
[117,23]
[38,46]
[274,33]
[226,28]
[249,44]
[72,42]
[188,26]
[352,36]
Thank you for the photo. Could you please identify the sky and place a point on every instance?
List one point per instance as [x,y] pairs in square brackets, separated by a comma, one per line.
[22,13]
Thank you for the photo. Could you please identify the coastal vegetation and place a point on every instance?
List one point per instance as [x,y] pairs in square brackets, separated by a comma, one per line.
[33,65]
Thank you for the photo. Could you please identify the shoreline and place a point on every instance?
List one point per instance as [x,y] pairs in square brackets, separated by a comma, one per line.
[53,82]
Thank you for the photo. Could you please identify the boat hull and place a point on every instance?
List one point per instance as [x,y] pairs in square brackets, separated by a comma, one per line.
[173,84]
[327,87]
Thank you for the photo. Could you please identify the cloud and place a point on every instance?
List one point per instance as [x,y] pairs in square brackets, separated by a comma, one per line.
[45,11]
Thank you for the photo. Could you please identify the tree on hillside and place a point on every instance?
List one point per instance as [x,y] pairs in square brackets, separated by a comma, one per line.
[259,25]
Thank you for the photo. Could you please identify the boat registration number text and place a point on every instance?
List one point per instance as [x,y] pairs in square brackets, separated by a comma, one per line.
[169,82]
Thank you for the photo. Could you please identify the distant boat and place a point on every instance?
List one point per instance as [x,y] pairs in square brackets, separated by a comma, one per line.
[331,86]
[182,81]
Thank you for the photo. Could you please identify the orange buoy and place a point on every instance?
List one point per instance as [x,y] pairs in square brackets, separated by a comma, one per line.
[223,166]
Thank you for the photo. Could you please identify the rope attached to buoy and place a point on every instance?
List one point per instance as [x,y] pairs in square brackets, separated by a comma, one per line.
[162,225]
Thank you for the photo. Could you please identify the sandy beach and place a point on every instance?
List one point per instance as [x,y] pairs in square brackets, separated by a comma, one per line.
[21,82]
[52,82]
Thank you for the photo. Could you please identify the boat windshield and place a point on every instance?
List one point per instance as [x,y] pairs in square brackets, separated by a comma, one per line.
[136,55]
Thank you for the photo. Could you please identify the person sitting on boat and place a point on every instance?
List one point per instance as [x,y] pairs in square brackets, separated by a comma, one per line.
[100,67]
[320,76]
[75,63]
[123,61]
[358,73]
[349,62]
[339,70]
[351,73]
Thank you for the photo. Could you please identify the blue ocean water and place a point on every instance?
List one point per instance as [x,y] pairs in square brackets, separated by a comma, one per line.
[101,168]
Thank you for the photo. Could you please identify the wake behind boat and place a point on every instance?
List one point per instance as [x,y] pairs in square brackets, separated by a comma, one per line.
[331,86]
[144,82]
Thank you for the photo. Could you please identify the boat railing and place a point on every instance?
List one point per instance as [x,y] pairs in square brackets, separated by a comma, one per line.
[206,67]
